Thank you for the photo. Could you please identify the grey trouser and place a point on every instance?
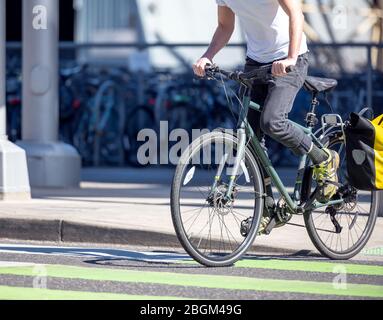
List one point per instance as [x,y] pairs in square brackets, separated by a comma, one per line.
[277,99]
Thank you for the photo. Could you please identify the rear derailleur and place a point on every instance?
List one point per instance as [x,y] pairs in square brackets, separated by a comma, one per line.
[350,200]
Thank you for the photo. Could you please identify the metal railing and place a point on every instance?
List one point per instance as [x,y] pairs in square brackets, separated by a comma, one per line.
[144,46]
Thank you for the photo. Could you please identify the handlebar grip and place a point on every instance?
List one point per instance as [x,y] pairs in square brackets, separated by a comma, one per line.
[208,67]
[291,69]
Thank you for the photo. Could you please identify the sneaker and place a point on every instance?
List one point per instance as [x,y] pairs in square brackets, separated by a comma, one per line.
[325,173]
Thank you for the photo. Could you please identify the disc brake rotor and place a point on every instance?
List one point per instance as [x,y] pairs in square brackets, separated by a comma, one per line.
[219,202]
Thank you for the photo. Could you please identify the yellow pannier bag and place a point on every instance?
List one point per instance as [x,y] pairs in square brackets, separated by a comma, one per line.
[364,152]
[378,147]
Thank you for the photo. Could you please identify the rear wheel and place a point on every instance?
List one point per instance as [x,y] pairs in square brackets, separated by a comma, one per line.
[341,232]
[216,231]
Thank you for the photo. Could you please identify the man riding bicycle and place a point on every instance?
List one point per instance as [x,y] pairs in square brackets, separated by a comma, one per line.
[274,33]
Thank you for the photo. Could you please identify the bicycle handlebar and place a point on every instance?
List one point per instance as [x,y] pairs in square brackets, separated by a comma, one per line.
[259,73]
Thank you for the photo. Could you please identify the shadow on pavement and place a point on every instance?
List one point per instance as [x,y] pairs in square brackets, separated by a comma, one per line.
[120,257]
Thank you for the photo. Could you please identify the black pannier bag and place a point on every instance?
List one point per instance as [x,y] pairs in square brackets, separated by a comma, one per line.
[364,152]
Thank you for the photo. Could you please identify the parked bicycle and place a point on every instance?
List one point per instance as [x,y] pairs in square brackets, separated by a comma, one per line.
[13,99]
[92,115]
[218,200]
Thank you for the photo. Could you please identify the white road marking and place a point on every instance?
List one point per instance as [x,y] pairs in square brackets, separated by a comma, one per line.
[159,257]
[10,264]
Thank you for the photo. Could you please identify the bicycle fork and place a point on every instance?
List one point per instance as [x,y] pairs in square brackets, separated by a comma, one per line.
[239,159]
[238,162]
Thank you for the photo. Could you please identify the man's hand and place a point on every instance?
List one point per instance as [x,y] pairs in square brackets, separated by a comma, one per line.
[200,65]
[279,68]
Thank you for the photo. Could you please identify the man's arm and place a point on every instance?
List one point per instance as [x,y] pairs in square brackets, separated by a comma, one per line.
[222,35]
[293,8]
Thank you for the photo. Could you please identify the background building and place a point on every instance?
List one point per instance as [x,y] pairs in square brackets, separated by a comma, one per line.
[126,21]
[179,22]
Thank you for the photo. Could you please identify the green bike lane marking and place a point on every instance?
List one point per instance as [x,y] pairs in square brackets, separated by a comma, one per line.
[18,293]
[312,266]
[305,266]
[200,280]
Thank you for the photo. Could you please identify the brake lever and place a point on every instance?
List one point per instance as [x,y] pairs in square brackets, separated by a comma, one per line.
[210,71]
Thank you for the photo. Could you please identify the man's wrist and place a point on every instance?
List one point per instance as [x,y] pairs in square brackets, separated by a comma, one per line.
[293,59]
[208,56]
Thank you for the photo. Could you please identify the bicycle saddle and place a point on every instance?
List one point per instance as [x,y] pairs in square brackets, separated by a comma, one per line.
[317,85]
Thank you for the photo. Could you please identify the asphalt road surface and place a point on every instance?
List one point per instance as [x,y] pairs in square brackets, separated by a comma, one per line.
[44,271]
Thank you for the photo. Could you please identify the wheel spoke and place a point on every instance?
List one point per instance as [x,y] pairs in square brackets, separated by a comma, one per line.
[357,217]
[212,223]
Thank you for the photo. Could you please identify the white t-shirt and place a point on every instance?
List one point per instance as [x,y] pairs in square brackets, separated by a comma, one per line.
[266,26]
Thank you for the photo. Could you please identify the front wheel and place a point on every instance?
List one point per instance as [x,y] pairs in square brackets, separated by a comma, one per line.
[341,232]
[214,230]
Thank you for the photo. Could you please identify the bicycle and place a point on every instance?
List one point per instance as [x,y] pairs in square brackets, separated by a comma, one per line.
[13,99]
[229,188]
[93,115]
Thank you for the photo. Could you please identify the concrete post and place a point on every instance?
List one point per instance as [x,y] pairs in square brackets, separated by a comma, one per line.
[50,162]
[14,182]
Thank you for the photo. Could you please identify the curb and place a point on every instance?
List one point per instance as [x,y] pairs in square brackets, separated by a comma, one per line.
[60,231]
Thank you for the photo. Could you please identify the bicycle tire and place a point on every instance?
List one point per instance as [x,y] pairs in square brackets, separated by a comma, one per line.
[367,232]
[175,203]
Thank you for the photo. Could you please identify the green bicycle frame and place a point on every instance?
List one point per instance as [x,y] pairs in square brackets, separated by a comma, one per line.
[246,133]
